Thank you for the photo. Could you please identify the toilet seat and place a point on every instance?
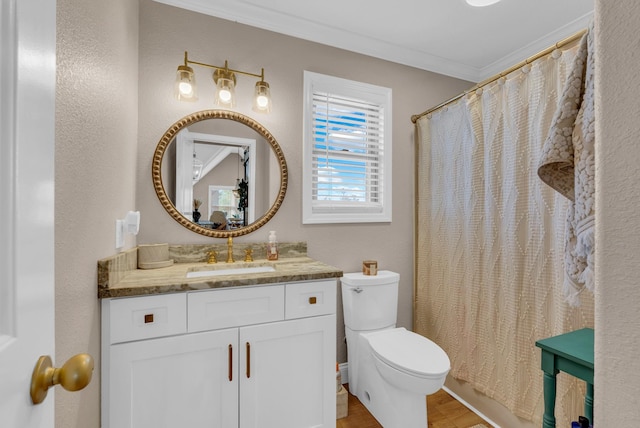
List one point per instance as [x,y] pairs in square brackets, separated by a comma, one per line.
[410,353]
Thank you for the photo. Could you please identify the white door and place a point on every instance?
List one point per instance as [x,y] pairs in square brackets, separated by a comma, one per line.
[27,93]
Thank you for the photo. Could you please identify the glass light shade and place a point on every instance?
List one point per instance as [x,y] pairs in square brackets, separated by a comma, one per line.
[481,3]
[197,168]
[262,98]
[225,92]
[185,87]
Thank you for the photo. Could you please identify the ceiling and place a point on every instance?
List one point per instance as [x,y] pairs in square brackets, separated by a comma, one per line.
[443,36]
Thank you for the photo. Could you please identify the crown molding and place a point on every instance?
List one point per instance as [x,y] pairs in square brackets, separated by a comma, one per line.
[244,12]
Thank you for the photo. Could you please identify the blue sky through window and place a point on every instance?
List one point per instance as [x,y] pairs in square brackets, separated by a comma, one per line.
[341,154]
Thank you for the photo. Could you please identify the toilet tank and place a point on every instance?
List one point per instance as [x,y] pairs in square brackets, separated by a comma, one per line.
[370,302]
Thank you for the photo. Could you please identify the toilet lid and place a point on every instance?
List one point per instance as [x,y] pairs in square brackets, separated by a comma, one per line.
[410,352]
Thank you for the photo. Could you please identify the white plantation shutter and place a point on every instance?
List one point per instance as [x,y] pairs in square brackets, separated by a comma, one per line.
[347,151]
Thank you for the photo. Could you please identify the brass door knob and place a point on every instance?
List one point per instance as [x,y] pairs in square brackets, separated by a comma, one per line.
[74,375]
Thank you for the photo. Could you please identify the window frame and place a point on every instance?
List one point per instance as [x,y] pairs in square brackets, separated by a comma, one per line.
[218,188]
[316,212]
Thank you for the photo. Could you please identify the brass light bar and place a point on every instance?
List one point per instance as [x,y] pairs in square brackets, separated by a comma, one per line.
[225,80]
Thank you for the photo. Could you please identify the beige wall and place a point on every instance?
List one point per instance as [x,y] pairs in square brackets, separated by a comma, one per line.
[96,139]
[166,32]
[617,336]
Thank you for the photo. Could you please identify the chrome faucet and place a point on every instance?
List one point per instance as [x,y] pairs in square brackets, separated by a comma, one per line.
[230,250]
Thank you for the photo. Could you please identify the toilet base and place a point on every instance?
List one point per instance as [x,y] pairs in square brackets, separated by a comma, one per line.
[391,406]
[395,410]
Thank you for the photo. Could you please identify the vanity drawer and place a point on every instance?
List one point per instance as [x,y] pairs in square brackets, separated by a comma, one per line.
[135,318]
[308,299]
[232,307]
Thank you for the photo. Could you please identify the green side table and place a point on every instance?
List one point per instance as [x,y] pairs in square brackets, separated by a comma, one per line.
[571,353]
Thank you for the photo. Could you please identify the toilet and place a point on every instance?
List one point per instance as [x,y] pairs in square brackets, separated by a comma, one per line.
[391,370]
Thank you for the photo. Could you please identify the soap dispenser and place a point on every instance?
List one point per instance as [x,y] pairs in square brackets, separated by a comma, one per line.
[272,246]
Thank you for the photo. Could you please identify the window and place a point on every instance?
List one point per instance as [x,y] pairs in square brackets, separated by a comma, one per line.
[222,198]
[347,151]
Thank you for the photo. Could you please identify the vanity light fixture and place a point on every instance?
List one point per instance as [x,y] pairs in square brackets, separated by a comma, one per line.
[225,80]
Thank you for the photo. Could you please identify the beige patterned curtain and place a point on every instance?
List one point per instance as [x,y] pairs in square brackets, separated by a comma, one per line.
[490,240]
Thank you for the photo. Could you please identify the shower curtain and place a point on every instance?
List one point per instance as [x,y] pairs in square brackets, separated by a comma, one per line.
[490,240]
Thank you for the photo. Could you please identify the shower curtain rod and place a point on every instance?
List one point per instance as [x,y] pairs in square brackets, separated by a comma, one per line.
[504,73]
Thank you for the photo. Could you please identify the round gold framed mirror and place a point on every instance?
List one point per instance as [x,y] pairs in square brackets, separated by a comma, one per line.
[205,153]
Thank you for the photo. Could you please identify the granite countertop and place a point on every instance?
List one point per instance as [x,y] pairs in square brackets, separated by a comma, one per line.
[118,275]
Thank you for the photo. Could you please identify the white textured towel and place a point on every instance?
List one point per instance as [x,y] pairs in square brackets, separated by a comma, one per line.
[568,166]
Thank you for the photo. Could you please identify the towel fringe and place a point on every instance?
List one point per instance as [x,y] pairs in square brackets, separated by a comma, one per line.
[571,292]
[587,277]
[585,232]
[585,249]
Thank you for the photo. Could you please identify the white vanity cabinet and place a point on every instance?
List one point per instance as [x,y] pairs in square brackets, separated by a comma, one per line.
[178,381]
[260,356]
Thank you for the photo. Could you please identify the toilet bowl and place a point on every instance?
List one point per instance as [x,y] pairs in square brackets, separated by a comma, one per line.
[391,370]
[409,361]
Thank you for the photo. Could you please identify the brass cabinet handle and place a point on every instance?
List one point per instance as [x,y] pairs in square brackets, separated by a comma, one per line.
[312,300]
[74,375]
[248,360]
[230,363]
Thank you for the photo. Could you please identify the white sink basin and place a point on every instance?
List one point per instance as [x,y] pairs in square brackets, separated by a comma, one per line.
[230,271]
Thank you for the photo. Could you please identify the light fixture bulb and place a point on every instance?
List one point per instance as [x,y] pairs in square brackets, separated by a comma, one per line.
[262,101]
[225,87]
[185,87]
[481,3]
[225,95]
[262,97]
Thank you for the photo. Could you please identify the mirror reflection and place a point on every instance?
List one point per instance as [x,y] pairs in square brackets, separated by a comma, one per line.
[221,173]
[223,202]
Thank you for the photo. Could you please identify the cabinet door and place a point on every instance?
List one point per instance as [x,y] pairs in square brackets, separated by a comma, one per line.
[287,374]
[181,381]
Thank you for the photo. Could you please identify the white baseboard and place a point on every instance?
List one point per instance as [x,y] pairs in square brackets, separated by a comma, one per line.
[470,407]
